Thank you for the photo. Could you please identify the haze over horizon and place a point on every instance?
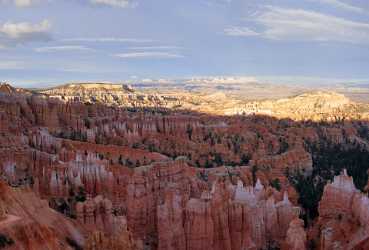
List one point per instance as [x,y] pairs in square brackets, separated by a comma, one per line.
[309,42]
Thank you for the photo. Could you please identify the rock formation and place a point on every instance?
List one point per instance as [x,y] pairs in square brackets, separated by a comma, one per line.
[317,105]
[296,236]
[31,224]
[101,174]
[343,215]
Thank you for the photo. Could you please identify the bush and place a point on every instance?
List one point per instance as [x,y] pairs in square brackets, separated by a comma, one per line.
[5,241]
[276,184]
[81,195]
[328,161]
[245,159]
[218,159]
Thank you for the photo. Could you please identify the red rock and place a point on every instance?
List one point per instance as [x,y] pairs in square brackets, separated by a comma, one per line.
[296,236]
[343,215]
[171,235]
[31,224]
[138,195]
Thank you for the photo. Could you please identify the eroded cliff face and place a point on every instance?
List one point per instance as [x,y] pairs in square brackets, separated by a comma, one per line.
[328,106]
[296,236]
[29,223]
[104,177]
[343,215]
[116,94]
[319,105]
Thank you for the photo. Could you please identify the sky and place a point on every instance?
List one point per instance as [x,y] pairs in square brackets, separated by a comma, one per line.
[46,42]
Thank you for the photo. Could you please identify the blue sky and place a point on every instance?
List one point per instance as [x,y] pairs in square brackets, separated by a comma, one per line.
[306,41]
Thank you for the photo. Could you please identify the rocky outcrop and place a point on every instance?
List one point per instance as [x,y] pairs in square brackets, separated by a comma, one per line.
[294,160]
[320,105]
[111,94]
[296,236]
[171,233]
[96,214]
[29,223]
[7,88]
[122,178]
[118,239]
[316,106]
[225,217]
[99,241]
[343,215]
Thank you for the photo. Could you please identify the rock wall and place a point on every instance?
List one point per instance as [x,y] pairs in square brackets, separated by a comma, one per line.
[343,216]
[29,223]
[133,179]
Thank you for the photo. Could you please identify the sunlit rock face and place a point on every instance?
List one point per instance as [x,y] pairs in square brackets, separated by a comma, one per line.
[319,105]
[113,94]
[343,215]
[103,177]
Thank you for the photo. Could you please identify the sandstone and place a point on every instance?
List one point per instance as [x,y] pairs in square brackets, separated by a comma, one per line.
[121,177]
[343,215]
[296,236]
[31,224]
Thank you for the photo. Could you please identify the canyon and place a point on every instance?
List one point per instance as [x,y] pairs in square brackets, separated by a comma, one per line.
[104,166]
[318,105]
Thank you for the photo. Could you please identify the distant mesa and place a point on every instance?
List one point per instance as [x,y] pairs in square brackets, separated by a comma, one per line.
[94,86]
[312,105]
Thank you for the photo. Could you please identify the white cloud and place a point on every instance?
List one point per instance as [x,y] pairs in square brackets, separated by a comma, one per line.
[149,55]
[21,3]
[113,3]
[301,25]
[107,39]
[240,31]
[12,34]
[342,5]
[152,52]
[64,48]
[24,3]
[18,30]
[155,48]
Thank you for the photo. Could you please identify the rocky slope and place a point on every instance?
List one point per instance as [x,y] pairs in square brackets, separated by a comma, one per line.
[116,94]
[316,106]
[343,215]
[327,106]
[118,178]
[28,223]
